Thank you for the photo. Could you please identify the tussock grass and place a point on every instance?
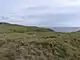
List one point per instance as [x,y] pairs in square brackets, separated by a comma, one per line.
[32,45]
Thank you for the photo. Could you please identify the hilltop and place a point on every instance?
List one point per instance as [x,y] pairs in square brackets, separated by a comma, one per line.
[7,27]
[19,42]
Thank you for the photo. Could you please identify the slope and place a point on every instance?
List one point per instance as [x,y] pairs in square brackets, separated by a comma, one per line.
[38,45]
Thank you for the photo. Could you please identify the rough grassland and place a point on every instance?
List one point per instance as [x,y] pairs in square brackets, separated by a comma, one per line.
[23,43]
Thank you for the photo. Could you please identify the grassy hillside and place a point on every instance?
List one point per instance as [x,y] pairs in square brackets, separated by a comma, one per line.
[24,43]
[10,28]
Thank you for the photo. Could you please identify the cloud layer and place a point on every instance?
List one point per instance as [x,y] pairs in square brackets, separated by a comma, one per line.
[46,13]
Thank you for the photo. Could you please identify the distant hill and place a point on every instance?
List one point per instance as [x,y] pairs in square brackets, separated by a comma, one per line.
[17,27]
[7,27]
[4,23]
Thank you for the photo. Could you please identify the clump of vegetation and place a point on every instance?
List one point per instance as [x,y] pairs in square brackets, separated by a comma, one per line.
[18,43]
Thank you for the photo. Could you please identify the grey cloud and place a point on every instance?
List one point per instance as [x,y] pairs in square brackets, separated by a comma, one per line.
[37,8]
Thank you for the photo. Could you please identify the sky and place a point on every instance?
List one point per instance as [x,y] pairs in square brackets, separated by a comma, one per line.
[42,13]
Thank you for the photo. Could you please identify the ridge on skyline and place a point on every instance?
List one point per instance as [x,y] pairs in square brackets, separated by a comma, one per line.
[56,29]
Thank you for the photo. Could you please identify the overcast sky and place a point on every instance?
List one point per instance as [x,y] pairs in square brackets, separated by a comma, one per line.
[46,13]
